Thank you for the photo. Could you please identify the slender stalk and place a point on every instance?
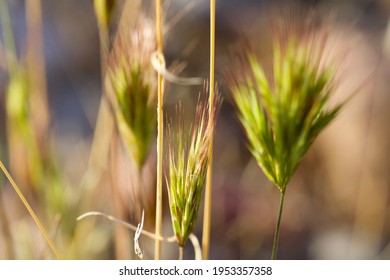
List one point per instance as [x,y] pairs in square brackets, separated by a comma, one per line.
[104,127]
[121,238]
[36,68]
[6,231]
[208,191]
[181,253]
[160,131]
[32,213]
[277,228]
[10,52]
[104,123]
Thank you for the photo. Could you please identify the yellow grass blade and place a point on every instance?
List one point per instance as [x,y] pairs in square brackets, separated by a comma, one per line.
[32,213]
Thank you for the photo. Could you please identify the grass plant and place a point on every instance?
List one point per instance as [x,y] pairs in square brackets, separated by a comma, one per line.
[282,108]
[282,113]
[134,101]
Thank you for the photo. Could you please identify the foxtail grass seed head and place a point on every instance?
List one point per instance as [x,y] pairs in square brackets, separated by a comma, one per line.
[134,85]
[282,113]
[188,161]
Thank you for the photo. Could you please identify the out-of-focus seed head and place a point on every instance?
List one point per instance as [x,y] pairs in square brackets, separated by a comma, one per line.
[133,82]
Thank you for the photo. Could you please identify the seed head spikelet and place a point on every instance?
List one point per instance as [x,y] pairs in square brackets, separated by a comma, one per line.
[188,161]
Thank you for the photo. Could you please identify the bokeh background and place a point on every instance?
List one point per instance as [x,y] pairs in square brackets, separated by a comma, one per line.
[337,204]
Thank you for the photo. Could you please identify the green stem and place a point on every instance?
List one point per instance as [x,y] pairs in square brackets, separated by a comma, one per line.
[277,228]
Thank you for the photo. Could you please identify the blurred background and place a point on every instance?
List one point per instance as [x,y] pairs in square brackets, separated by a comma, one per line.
[337,204]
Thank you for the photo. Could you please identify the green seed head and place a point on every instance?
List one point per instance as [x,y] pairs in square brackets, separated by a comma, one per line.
[283,113]
[188,163]
[134,86]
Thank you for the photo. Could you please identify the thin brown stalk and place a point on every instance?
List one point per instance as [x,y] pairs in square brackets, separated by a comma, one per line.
[32,213]
[121,238]
[36,67]
[6,231]
[104,126]
[208,191]
[160,132]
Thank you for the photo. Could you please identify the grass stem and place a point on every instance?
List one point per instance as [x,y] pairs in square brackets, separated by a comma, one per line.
[104,126]
[9,41]
[36,68]
[32,213]
[208,188]
[6,231]
[160,133]
[181,253]
[277,228]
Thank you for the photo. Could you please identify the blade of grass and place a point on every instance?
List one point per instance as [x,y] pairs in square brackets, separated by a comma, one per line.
[32,213]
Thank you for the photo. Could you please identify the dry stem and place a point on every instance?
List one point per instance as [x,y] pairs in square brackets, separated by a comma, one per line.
[31,211]
[160,132]
[208,191]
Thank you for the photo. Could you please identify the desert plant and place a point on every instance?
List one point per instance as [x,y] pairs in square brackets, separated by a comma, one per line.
[189,160]
[283,113]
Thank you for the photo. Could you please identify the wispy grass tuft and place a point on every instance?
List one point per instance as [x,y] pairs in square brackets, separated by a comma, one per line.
[283,113]
[188,164]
